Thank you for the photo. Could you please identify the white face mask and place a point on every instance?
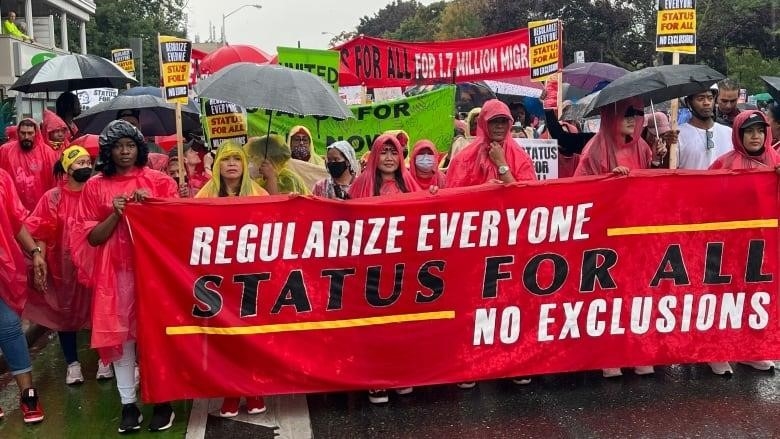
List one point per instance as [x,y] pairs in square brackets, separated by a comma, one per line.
[424,162]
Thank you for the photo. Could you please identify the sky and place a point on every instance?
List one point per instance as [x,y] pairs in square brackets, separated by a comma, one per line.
[280,22]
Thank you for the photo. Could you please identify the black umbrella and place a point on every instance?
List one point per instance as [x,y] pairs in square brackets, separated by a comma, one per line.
[468,95]
[73,72]
[155,116]
[658,84]
[773,86]
[158,92]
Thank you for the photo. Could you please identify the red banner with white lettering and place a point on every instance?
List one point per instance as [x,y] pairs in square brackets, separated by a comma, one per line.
[387,63]
[277,295]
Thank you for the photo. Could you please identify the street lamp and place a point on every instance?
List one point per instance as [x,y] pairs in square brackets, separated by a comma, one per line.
[224,16]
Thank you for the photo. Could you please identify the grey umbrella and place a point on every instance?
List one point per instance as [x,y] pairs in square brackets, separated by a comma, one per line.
[274,87]
[155,116]
[773,86]
[72,72]
[579,109]
[658,84]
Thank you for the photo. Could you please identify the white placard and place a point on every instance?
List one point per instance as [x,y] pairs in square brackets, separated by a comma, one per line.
[544,153]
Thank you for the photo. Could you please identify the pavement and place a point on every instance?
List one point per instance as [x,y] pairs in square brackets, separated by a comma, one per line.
[677,402]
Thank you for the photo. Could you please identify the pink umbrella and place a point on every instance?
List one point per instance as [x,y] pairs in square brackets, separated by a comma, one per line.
[227,55]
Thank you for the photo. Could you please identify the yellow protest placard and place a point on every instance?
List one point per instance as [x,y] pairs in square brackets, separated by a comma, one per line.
[676,26]
[124,59]
[175,54]
[545,48]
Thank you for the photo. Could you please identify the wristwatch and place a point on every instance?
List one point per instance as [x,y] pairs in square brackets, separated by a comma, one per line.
[34,250]
[503,169]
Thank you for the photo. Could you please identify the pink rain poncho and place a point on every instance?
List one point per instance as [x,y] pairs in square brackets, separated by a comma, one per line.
[13,269]
[437,179]
[31,171]
[52,122]
[110,271]
[363,186]
[66,304]
[609,149]
[739,158]
[472,166]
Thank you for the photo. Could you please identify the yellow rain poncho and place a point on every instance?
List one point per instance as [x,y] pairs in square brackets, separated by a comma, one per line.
[314,158]
[279,156]
[248,187]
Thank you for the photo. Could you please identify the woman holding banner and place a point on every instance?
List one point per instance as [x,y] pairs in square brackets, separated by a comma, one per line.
[493,154]
[618,147]
[342,165]
[231,179]
[66,307]
[424,165]
[99,229]
[385,174]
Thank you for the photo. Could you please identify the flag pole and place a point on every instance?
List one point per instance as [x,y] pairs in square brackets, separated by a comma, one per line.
[673,116]
[180,143]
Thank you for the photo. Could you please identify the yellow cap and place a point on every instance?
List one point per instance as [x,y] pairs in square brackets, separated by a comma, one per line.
[71,154]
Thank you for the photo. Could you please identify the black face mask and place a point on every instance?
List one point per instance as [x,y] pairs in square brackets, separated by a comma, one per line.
[336,169]
[82,175]
[26,145]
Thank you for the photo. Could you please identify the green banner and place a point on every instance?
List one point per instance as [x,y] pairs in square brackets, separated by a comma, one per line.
[323,63]
[424,116]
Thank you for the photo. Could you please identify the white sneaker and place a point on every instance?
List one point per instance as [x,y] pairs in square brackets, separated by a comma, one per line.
[644,370]
[104,371]
[469,385]
[721,369]
[521,380]
[612,373]
[74,375]
[404,390]
[759,365]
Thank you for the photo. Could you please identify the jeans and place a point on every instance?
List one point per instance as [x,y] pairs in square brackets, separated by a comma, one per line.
[13,343]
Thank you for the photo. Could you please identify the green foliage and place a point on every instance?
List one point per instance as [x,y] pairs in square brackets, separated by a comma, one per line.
[461,19]
[422,26]
[116,21]
[388,19]
[746,65]
[7,116]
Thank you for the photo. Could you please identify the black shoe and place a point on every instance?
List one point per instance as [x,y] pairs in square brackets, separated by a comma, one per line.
[162,417]
[131,418]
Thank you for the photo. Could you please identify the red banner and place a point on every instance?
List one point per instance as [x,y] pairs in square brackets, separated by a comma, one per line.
[388,63]
[281,295]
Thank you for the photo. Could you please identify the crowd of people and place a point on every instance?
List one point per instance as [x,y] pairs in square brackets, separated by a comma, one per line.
[66,253]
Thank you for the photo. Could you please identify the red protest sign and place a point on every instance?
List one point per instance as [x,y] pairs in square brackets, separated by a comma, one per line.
[282,295]
[387,63]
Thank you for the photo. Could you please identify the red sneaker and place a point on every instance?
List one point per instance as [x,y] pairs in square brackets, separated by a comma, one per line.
[229,407]
[255,405]
[31,407]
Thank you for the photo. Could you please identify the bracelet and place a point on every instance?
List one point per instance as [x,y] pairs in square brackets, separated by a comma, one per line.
[34,250]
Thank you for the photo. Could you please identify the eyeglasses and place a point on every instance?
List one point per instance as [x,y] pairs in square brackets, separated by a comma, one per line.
[301,139]
[633,112]
[710,142]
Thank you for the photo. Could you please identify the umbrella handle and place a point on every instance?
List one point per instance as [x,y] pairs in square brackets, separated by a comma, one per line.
[268,134]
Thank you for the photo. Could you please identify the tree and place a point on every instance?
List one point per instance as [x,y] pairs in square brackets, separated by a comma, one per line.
[461,19]
[388,19]
[422,26]
[746,65]
[116,21]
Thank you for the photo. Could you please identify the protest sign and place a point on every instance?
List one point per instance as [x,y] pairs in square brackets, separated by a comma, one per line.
[124,59]
[545,45]
[222,121]
[424,116]
[322,63]
[389,63]
[88,98]
[466,285]
[175,66]
[544,153]
[676,26]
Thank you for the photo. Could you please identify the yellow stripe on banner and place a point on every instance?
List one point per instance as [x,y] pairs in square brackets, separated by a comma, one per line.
[701,227]
[311,326]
